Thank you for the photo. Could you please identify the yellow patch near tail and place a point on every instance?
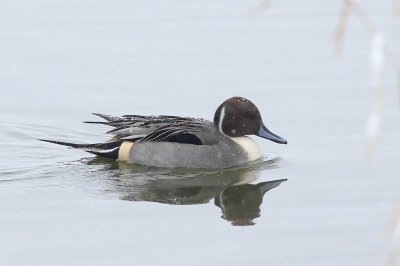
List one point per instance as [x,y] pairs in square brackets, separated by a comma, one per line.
[124,150]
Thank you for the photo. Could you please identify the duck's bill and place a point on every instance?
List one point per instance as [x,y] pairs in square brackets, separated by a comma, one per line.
[266,134]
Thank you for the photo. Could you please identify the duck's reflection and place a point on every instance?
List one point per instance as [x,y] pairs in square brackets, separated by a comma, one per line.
[230,189]
[241,204]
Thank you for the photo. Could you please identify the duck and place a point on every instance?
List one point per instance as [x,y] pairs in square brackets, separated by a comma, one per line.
[184,142]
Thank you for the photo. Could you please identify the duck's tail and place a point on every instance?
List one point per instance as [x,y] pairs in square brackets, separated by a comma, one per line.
[107,149]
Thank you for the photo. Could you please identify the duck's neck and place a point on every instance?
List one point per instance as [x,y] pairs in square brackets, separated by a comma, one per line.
[250,146]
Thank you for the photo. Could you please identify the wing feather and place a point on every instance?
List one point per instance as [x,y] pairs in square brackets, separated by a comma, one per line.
[153,128]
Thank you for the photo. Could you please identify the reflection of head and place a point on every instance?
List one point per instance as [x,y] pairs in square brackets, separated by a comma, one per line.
[241,204]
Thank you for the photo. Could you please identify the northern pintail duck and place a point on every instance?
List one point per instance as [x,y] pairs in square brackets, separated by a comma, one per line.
[172,141]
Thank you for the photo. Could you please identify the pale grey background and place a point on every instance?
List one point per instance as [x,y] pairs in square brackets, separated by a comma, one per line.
[62,60]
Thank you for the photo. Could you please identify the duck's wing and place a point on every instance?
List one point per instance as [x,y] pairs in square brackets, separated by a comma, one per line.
[137,126]
[180,132]
[159,128]
[148,129]
[139,120]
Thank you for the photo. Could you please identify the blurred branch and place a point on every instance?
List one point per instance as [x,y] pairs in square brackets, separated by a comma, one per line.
[379,50]
[341,27]
[394,231]
[266,3]
[396,7]
[371,28]
[377,66]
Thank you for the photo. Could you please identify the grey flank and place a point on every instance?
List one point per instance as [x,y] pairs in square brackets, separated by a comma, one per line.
[223,154]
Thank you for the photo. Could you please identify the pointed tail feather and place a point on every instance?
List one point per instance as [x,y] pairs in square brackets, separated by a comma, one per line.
[96,122]
[109,120]
[108,149]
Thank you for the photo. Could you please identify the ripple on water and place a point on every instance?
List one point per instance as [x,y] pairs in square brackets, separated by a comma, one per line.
[23,157]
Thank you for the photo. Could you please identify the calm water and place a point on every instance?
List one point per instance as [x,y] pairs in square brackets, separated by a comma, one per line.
[61,61]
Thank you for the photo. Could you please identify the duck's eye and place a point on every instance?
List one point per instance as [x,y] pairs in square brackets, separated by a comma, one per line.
[247,115]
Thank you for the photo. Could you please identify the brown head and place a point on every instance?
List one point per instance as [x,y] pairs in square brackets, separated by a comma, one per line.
[237,117]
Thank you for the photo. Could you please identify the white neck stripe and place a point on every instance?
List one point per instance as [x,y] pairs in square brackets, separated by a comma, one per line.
[221,118]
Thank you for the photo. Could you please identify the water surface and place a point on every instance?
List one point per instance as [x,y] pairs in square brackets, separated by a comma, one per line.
[62,61]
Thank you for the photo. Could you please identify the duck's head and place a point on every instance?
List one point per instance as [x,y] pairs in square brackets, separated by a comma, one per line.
[237,117]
